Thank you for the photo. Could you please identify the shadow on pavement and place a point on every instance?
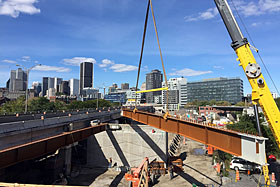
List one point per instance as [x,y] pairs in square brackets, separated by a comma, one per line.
[202,174]
[190,179]
[117,179]
[149,141]
[117,148]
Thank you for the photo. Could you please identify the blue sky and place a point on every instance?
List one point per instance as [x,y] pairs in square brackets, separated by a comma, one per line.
[59,34]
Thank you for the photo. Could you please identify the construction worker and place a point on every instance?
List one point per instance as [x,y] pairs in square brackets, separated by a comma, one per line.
[110,162]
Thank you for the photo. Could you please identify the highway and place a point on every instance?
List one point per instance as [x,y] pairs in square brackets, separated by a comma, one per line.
[34,116]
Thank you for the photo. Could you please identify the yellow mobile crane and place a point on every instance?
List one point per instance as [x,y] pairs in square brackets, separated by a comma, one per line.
[260,91]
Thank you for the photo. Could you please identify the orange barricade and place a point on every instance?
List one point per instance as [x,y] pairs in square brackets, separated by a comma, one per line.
[273,177]
[237,176]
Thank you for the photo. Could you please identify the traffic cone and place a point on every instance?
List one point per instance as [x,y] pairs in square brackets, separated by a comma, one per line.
[273,177]
[248,172]
[237,178]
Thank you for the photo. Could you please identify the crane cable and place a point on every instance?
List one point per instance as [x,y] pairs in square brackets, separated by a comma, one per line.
[142,48]
[246,30]
[143,41]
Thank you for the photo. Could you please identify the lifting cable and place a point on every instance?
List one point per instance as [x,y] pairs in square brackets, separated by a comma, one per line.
[260,57]
[139,67]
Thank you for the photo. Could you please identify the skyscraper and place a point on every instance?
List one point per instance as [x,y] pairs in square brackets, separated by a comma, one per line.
[18,80]
[74,87]
[45,85]
[153,80]
[86,75]
[64,88]
[57,81]
[50,82]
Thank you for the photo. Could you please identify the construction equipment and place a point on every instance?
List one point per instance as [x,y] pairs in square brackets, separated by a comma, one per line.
[147,173]
[139,175]
[260,91]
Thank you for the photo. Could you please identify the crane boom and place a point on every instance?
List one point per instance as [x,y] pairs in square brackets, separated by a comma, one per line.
[260,91]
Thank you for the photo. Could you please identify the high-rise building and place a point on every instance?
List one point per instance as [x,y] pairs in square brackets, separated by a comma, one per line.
[64,88]
[74,87]
[86,75]
[153,80]
[18,80]
[57,81]
[50,82]
[37,88]
[45,85]
[219,89]
[176,93]
[125,86]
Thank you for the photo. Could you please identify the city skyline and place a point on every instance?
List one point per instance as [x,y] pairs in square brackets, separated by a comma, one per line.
[191,46]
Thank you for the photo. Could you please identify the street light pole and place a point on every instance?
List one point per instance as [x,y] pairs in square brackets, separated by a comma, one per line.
[27,77]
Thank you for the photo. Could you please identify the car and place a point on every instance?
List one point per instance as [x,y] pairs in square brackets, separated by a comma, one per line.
[244,165]
[94,122]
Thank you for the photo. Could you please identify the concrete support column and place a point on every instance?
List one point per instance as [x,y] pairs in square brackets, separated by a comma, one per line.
[67,162]
[67,152]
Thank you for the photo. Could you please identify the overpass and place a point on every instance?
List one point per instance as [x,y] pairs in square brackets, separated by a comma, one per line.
[30,136]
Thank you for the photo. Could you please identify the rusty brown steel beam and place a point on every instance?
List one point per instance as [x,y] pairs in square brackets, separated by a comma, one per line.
[44,146]
[225,140]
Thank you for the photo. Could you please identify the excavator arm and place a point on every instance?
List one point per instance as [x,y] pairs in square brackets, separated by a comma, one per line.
[260,91]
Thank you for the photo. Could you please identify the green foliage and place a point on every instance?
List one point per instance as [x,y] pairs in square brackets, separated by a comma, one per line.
[246,124]
[15,106]
[59,93]
[40,104]
[197,103]
[241,103]
[43,104]
[277,100]
[220,156]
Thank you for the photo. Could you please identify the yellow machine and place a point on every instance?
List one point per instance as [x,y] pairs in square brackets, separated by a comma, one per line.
[260,91]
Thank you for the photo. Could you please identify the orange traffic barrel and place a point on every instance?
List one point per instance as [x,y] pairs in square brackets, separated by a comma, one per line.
[237,176]
[273,177]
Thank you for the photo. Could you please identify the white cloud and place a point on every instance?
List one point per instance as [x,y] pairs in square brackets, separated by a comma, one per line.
[51,68]
[106,63]
[189,72]
[14,7]
[77,60]
[9,61]
[218,67]
[208,14]
[123,68]
[246,8]
[25,58]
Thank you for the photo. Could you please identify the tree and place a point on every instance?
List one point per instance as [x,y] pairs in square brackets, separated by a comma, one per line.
[41,104]
[277,100]
[15,106]
[241,103]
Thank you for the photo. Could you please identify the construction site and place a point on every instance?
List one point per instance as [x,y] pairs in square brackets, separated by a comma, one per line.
[141,145]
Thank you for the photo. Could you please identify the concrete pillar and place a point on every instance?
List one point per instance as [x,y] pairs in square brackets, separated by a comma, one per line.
[68,155]
[67,162]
